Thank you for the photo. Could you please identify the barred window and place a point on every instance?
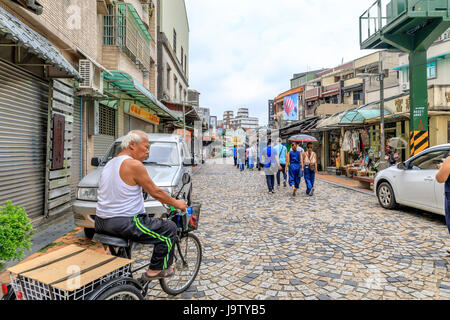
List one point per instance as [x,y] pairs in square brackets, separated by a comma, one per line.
[107,121]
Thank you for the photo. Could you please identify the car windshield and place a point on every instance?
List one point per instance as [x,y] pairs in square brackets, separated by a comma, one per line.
[161,153]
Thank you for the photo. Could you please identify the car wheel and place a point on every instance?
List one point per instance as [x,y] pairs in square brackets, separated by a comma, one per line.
[386,196]
[89,233]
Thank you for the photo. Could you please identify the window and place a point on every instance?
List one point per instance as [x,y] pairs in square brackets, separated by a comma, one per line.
[175,41]
[182,56]
[168,77]
[448,131]
[185,63]
[175,80]
[431,70]
[107,119]
[428,161]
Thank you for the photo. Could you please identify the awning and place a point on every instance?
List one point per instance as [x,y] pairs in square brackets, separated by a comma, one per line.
[302,126]
[123,7]
[191,113]
[331,122]
[15,30]
[31,5]
[126,84]
[440,56]
[361,114]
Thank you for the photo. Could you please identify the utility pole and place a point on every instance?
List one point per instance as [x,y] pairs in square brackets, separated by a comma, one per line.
[382,137]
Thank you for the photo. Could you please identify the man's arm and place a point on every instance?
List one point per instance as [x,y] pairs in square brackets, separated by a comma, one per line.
[142,178]
[444,171]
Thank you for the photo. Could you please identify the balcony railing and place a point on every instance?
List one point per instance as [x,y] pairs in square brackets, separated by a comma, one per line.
[123,28]
[331,88]
[383,12]
[312,93]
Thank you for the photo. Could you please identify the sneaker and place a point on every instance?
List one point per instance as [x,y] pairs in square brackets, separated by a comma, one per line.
[273,191]
[311,193]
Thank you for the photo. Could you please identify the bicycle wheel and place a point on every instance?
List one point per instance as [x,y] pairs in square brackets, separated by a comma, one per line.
[185,273]
[121,292]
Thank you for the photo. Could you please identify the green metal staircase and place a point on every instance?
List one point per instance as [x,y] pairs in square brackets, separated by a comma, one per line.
[410,26]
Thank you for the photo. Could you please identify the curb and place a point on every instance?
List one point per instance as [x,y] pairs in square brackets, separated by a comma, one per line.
[347,187]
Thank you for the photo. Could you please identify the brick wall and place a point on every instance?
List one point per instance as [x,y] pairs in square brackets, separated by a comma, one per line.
[71,21]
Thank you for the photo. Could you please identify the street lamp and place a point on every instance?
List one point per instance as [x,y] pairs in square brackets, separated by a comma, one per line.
[380,77]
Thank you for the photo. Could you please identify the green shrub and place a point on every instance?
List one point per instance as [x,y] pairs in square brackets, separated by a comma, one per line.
[15,232]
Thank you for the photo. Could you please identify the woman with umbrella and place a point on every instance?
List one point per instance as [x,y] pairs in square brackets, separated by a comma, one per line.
[309,161]
[294,164]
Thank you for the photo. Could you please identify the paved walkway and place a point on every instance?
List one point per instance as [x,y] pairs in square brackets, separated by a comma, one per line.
[338,244]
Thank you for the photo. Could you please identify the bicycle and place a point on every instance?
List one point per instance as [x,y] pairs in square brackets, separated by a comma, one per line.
[187,260]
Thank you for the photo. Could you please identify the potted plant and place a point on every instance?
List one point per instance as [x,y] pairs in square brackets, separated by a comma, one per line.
[15,233]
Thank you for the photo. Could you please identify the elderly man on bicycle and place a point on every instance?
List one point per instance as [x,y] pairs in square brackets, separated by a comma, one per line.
[120,206]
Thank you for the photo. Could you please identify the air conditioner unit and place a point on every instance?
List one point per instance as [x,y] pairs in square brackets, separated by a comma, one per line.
[405,87]
[86,70]
[346,94]
[91,77]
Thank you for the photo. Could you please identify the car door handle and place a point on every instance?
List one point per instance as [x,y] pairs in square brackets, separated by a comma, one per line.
[429,179]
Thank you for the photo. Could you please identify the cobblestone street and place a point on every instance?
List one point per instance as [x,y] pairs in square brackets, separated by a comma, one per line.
[338,244]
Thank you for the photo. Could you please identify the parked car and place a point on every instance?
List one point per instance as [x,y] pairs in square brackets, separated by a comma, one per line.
[413,182]
[169,159]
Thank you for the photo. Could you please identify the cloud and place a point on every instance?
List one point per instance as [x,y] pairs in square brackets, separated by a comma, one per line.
[244,52]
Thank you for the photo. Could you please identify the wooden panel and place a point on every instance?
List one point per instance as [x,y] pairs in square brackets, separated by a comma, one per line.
[62,87]
[59,123]
[62,107]
[59,183]
[62,97]
[63,268]
[69,119]
[23,266]
[60,209]
[59,174]
[59,201]
[58,192]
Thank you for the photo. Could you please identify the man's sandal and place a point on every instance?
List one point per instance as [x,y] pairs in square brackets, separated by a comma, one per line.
[167,273]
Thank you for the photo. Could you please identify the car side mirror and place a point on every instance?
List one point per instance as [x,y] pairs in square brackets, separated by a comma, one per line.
[401,166]
[186,178]
[188,162]
[95,162]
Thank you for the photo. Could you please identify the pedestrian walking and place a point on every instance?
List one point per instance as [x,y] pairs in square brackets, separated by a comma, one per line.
[443,176]
[270,165]
[235,155]
[281,151]
[309,165]
[250,155]
[294,163]
[241,157]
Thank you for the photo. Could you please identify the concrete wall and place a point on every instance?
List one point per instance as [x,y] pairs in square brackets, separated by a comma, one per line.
[174,16]
[67,24]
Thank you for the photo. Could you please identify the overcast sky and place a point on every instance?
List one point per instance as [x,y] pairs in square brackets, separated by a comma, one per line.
[244,52]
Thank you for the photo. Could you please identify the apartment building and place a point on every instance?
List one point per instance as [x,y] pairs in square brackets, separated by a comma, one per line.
[173,51]
[81,74]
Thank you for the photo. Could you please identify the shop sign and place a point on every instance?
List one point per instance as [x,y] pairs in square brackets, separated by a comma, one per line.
[141,113]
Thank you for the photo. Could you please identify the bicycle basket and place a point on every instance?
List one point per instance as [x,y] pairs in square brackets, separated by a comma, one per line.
[193,222]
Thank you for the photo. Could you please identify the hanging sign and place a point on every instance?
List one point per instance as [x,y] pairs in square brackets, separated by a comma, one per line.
[143,114]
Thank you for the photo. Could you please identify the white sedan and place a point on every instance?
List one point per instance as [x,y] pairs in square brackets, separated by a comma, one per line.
[413,182]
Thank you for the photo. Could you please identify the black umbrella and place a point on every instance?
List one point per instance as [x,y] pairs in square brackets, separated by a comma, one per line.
[303,138]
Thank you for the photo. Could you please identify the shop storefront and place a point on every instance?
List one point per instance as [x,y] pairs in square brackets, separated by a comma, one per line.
[36,121]
[136,118]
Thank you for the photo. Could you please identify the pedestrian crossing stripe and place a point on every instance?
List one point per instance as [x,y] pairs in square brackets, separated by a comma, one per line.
[419,141]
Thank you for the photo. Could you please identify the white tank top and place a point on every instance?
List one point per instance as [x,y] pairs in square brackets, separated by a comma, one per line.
[115,197]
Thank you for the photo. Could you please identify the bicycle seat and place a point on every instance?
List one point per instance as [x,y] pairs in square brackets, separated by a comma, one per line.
[111,240]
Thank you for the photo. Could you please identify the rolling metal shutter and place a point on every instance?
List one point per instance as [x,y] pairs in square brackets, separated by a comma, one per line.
[76,148]
[23,135]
